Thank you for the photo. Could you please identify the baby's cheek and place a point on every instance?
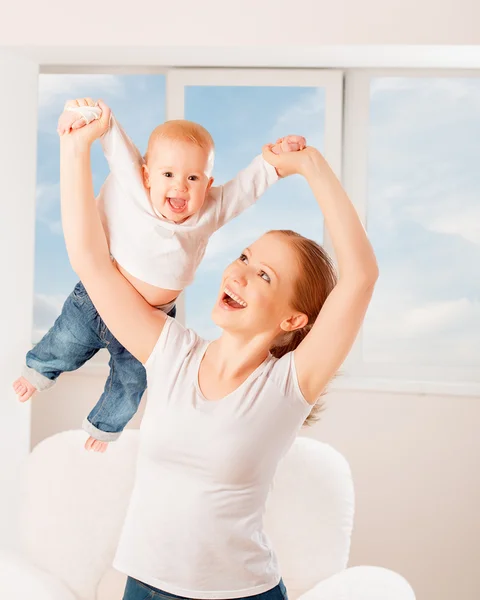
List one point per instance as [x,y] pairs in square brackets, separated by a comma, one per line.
[199,199]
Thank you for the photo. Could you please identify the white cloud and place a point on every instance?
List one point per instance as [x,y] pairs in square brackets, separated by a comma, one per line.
[289,204]
[229,240]
[66,87]
[55,90]
[47,197]
[311,104]
[463,219]
[305,118]
[56,227]
[424,218]
[48,205]
[203,326]
[46,309]
[430,94]
[399,329]
[432,205]
[436,317]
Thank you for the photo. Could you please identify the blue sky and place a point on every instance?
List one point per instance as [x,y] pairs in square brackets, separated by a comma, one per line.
[250,117]
[54,279]
[424,221]
[241,120]
[424,205]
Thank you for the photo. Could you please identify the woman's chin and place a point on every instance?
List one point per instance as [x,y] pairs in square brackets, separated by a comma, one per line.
[219,316]
[223,316]
[216,315]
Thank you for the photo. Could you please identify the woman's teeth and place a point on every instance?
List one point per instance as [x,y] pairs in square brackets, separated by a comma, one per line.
[237,299]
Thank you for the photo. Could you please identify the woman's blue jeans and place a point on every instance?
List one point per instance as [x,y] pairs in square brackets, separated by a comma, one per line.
[137,590]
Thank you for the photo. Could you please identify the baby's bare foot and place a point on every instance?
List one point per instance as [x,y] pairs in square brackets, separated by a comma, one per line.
[24,389]
[95,445]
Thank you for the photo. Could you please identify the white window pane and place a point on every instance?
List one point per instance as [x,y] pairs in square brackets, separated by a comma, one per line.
[138,102]
[241,120]
[424,221]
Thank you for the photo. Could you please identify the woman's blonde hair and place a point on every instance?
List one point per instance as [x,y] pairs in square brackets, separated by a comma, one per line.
[316,279]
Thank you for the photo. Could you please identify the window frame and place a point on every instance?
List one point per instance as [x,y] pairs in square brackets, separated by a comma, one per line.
[331,80]
[433,379]
[346,136]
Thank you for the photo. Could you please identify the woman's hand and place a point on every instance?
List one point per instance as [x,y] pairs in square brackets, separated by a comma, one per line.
[74,126]
[290,163]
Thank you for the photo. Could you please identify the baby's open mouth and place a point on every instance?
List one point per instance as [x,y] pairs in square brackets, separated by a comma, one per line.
[177,204]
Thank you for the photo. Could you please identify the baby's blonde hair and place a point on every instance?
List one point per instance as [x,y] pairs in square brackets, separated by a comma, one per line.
[187,131]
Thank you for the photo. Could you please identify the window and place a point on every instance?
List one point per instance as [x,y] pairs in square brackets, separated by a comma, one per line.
[243,110]
[421,192]
[139,103]
[404,145]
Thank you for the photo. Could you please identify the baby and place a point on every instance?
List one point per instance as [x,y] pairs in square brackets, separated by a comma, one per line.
[158,213]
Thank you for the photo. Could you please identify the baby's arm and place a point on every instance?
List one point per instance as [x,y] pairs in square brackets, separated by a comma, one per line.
[243,190]
[121,153]
[123,157]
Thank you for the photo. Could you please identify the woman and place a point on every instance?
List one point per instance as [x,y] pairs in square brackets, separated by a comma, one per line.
[220,415]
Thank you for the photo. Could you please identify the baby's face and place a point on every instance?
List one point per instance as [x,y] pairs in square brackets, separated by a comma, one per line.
[177,176]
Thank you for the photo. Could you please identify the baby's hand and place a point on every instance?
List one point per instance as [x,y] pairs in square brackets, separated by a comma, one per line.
[290,143]
[290,163]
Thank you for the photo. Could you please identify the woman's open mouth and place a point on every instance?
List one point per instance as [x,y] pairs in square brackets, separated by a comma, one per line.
[231,301]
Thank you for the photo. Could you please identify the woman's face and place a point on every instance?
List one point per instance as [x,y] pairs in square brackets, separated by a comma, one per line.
[257,287]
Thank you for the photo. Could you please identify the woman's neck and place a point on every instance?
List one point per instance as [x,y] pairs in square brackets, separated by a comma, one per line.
[232,356]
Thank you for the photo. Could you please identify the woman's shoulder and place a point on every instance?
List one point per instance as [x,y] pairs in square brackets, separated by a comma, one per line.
[283,374]
[176,341]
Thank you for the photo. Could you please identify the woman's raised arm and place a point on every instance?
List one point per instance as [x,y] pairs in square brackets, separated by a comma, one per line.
[135,323]
[321,353]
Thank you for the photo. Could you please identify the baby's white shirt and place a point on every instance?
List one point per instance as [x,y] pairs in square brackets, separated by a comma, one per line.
[157,251]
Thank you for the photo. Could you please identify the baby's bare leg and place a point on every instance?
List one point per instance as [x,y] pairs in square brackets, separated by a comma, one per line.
[24,389]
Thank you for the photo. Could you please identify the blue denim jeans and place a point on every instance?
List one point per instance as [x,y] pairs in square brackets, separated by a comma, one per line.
[137,590]
[77,335]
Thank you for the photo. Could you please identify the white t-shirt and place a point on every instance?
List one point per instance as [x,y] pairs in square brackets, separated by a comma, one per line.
[157,251]
[194,526]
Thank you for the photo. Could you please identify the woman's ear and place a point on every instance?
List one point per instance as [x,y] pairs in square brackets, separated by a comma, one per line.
[296,321]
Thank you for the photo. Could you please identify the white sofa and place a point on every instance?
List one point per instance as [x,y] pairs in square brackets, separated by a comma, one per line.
[75,501]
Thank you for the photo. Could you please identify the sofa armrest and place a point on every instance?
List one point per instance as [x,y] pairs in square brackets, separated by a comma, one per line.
[20,579]
[362,583]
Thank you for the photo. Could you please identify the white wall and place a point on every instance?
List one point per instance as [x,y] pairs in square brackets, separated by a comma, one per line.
[17,192]
[415,459]
[415,462]
[242,23]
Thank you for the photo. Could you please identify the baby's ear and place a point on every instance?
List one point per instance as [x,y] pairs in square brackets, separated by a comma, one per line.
[210,183]
[146,175]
